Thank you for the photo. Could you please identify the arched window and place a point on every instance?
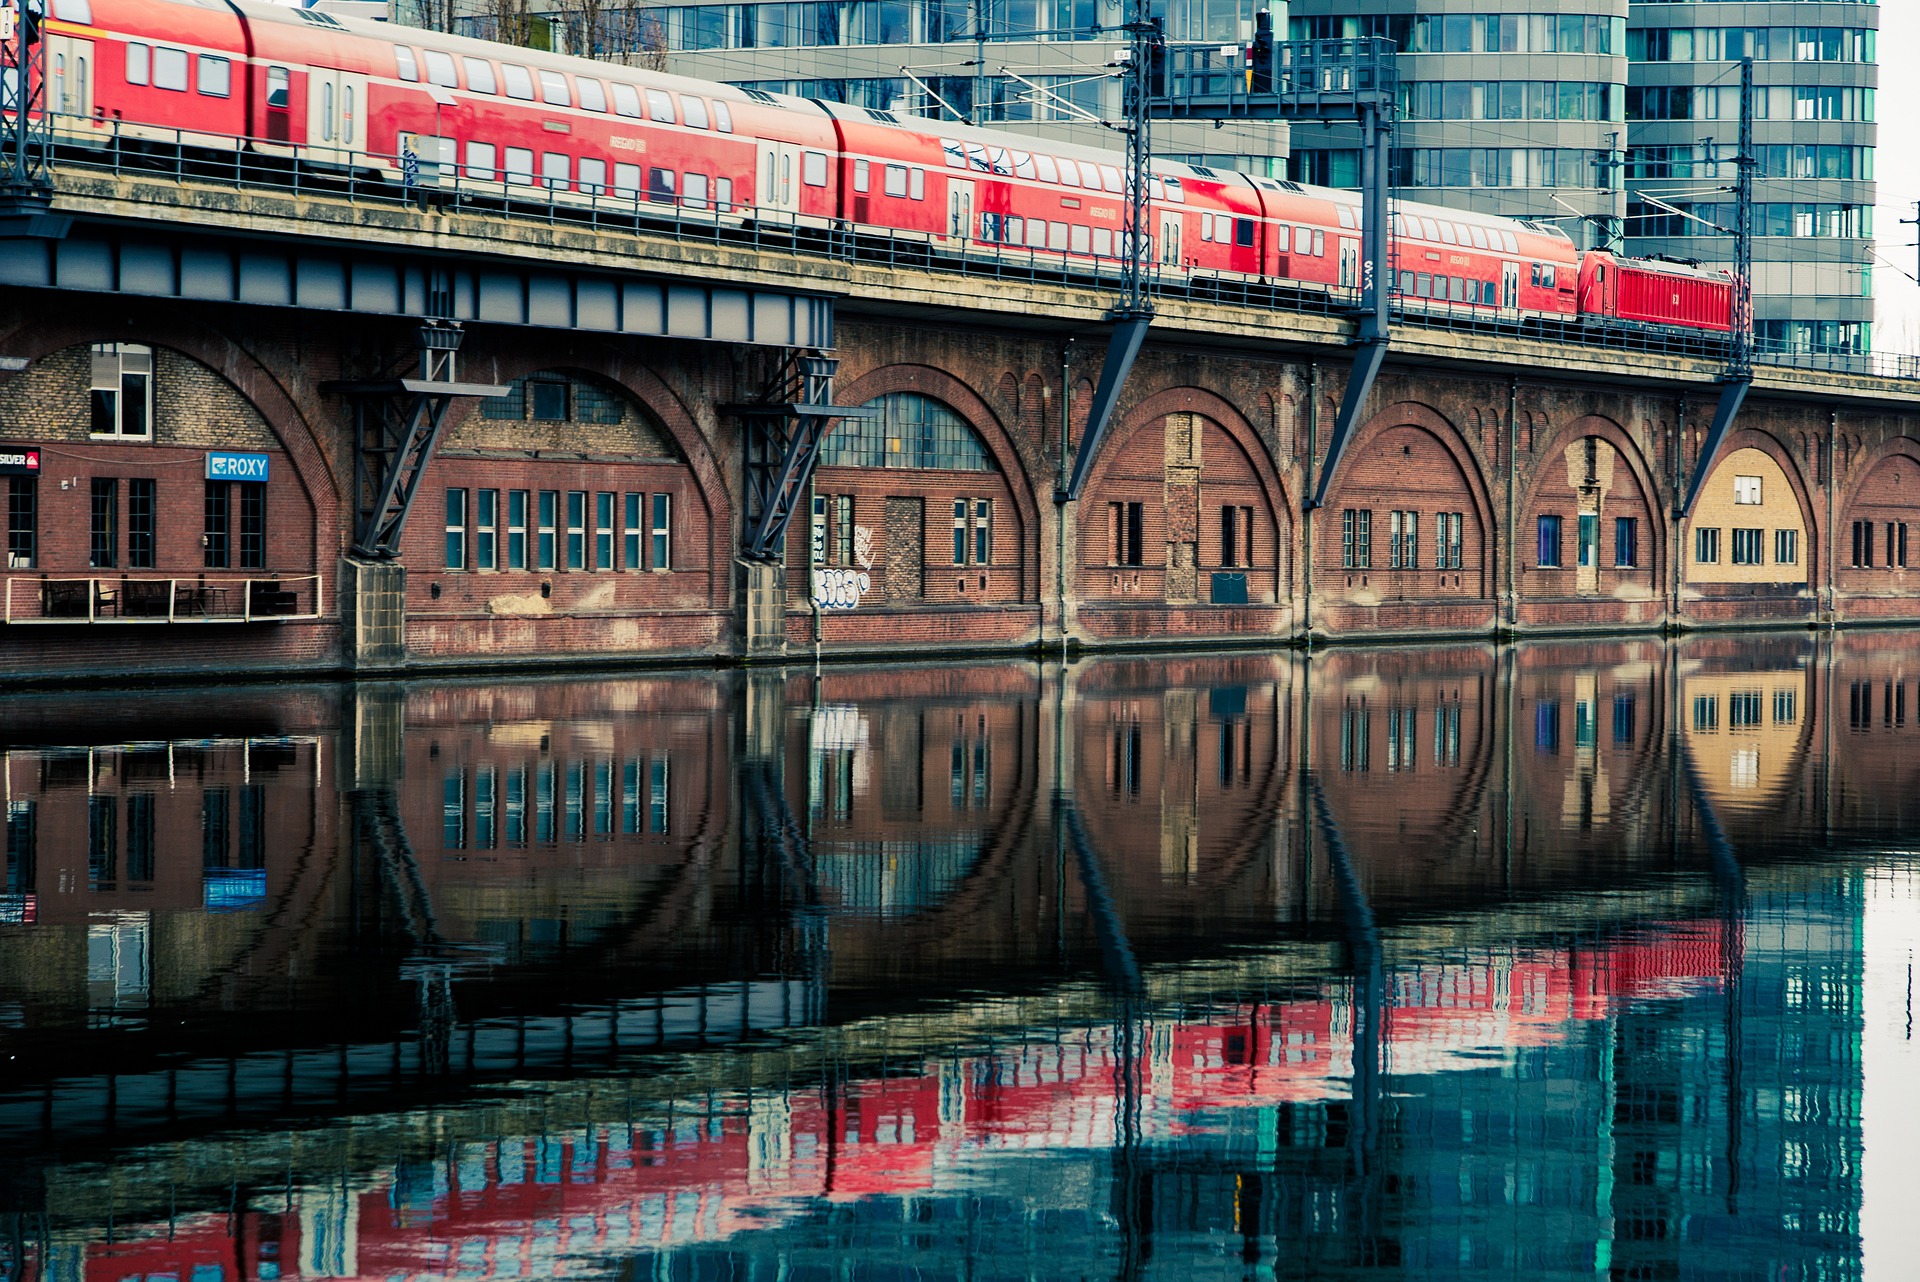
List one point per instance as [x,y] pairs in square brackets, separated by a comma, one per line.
[908,431]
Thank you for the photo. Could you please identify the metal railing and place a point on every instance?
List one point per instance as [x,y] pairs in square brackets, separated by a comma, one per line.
[108,146]
[133,600]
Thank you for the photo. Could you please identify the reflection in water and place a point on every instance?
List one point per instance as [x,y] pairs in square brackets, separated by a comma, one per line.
[1539,963]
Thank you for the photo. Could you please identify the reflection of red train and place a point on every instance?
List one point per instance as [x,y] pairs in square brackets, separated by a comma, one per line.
[507,121]
[518,1208]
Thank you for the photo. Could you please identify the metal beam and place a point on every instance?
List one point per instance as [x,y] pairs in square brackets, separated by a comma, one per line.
[1366,367]
[1733,394]
[1129,333]
[164,261]
[782,434]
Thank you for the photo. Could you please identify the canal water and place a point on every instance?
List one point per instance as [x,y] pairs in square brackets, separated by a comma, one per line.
[1555,961]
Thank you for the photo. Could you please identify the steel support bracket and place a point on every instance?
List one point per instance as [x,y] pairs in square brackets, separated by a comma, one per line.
[1129,334]
[1733,394]
[1366,368]
[782,434]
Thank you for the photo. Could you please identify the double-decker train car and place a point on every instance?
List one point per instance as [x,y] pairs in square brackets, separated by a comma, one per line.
[432,109]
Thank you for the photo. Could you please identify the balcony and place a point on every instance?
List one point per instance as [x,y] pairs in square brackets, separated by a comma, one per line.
[128,599]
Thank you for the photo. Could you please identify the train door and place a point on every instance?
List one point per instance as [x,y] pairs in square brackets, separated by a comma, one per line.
[778,196]
[336,116]
[959,210]
[1510,287]
[70,76]
[1349,263]
[1170,239]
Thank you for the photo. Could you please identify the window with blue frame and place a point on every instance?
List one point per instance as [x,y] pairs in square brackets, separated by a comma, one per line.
[1548,552]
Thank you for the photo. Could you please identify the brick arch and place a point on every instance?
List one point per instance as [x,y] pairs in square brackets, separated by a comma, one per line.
[289,418]
[1441,428]
[1752,438]
[1220,412]
[1899,447]
[670,410]
[941,386]
[1617,436]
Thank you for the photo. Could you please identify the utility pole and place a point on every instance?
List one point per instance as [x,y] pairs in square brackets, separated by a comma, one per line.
[977,110]
[1744,165]
[1914,222]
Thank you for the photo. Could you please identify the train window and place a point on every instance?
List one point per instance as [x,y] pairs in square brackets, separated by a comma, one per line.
[1044,166]
[1036,233]
[557,169]
[1103,242]
[1446,234]
[440,69]
[480,156]
[518,80]
[1399,225]
[326,111]
[694,191]
[520,166]
[479,75]
[553,89]
[693,111]
[1175,192]
[723,194]
[917,183]
[73,11]
[1023,164]
[216,76]
[1069,174]
[1319,243]
[660,186]
[1002,161]
[1479,237]
[989,227]
[1080,239]
[1423,286]
[1089,175]
[956,155]
[1111,177]
[1513,246]
[170,69]
[1464,233]
[593,176]
[1206,228]
[1406,282]
[1487,293]
[593,94]
[722,117]
[1243,232]
[1456,290]
[1057,236]
[626,99]
[1546,276]
[1536,275]
[626,181]
[1345,215]
[1281,238]
[403,59]
[1430,228]
[139,59]
[862,175]
[977,156]
[660,106]
[1303,240]
[896,180]
[813,168]
[277,87]
[1016,229]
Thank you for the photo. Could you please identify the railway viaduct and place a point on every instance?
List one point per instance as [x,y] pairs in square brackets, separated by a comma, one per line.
[216,408]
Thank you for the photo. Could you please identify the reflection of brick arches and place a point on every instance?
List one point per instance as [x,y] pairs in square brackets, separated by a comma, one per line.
[1548,467]
[1425,419]
[1215,411]
[940,386]
[652,393]
[291,421]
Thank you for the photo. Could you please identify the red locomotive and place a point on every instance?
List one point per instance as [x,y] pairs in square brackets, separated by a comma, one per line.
[505,121]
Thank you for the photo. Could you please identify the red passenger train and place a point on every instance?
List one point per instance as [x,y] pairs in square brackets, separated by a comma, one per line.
[504,121]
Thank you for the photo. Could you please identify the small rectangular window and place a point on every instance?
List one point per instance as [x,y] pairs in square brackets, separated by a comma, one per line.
[603,512]
[593,94]
[593,176]
[633,534]
[516,529]
[139,63]
[479,75]
[722,117]
[216,76]
[518,81]
[1548,550]
[103,548]
[1626,542]
[917,184]
[694,191]
[520,166]
[170,68]
[862,175]
[813,168]
[1589,541]
[626,100]
[1746,489]
[23,522]
[1747,547]
[440,69]
[1706,546]
[556,170]
[660,106]
[896,180]
[1786,547]
[486,536]
[480,161]
[662,532]
[217,527]
[253,526]
[1356,539]
[553,89]
[723,195]
[693,111]
[549,396]
[456,529]
[626,181]
[403,60]
[983,531]
[576,529]
[545,531]
[140,524]
[660,184]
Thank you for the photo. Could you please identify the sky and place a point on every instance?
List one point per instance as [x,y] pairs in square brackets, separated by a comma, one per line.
[1897,169]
